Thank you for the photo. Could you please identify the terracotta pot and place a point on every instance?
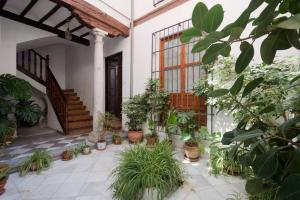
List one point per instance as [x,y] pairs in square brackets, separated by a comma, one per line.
[33,167]
[135,137]
[66,155]
[151,140]
[191,151]
[117,140]
[2,185]
[101,145]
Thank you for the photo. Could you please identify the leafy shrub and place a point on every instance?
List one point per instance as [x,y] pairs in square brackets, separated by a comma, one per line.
[38,161]
[140,169]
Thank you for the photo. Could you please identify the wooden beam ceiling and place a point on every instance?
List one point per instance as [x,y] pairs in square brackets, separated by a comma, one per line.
[77,28]
[85,34]
[49,14]
[93,17]
[44,27]
[28,7]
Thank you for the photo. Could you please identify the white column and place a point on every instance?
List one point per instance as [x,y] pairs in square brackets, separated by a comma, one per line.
[99,76]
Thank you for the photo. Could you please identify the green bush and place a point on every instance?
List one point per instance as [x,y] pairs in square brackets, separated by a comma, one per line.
[141,168]
[40,160]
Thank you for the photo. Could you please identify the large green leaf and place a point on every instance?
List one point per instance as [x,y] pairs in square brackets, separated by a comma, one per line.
[284,127]
[207,41]
[254,4]
[237,86]
[266,164]
[246,135]
[268,47]
[294,166]
[213,18]
[218,93]
[266,16]
[235,33]
[292,23]
[6,126]
[252,85]
[198,15]
[256,186]
[189,34]
[247,54]
[5,107]
[227,138]
[293,38]
[290,189]
[214,51]
[28,111]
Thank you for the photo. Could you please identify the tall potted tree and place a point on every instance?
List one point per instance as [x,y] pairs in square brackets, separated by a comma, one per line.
[136,110]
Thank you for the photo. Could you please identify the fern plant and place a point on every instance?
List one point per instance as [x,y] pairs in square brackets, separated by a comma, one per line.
[141,170]
[38,161]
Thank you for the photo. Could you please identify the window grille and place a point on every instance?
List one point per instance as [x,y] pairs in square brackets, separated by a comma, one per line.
[155,2]
[178,69]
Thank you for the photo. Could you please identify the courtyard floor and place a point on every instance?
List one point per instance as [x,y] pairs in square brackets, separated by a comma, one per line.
[88,178]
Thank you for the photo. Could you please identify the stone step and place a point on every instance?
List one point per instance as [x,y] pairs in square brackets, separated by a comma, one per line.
[80,124]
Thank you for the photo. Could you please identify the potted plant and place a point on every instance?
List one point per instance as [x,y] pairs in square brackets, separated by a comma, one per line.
[67,155]
[171,125]
[152,136]
[187,128]
[4,168]
[104,126]
[85,149]
[136,110]
[37,162]
[156,182]
[117,139]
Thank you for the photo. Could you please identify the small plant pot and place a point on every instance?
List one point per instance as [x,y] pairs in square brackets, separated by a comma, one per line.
[86,150]
[117,140]
[33,167]
[66,155]
[191,151]
[151,140]
[2,185]
[101,145]
[135,137]
[232,171]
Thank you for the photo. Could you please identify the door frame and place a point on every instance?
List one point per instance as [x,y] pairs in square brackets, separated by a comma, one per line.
[121,77]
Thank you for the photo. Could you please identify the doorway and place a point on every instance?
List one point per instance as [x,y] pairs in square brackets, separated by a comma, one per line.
[113,82]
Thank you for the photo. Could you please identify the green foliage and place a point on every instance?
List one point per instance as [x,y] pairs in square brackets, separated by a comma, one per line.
[140,169]
[235,196]
[265,104]
[14,100]
[136,109]
[4,169]
[105,124]
[38,161]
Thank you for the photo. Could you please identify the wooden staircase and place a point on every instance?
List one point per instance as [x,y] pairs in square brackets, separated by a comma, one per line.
[70,111]
[79,119]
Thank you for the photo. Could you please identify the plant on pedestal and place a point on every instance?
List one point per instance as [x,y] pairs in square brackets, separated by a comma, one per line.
[158,103]
[135,109]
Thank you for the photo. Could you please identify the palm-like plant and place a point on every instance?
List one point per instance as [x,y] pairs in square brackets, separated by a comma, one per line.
[15,104]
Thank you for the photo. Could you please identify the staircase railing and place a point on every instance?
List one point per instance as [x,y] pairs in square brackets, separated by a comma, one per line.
[37,67]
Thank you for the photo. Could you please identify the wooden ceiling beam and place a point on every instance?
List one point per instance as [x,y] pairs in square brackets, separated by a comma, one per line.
[44,27]
[85,34]
[68,19]
[49,14]
[76,28]
[94,17]
[2,3]
[28,7]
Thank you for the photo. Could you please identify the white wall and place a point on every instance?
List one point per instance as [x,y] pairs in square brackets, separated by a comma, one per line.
[13,33]
[143,7]
[80,72]
[57,55]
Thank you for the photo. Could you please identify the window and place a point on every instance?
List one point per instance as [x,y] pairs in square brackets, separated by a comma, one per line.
[178,69]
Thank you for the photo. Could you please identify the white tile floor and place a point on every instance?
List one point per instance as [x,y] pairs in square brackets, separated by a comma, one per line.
[88,178]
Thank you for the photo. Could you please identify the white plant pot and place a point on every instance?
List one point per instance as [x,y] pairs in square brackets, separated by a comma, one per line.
[101,145]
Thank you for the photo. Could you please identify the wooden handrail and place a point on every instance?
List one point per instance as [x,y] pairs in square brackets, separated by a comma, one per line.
[41,72]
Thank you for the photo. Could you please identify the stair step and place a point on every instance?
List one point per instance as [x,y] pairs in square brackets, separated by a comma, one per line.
[76,107]
[78,112]
[73,98]
[78,131]
[80,124]
[68,94]
[76,102]
[79,118]
[68,90]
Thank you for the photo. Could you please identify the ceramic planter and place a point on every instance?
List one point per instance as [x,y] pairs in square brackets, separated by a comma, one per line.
[191,151]
[101,145]
[117,140]
[135,137]
[66,155]
[151,140]
[86,150]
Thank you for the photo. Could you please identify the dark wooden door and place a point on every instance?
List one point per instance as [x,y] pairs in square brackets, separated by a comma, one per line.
[113,82]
